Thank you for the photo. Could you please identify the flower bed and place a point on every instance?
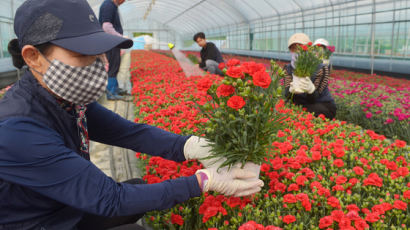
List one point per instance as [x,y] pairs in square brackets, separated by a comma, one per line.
[320,174]
[379,107]
[375,102]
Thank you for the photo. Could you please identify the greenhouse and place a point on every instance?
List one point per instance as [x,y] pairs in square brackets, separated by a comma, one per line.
[204,114]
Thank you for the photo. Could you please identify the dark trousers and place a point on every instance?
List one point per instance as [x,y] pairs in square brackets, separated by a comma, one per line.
[326,108]
[94,222]
[114,59]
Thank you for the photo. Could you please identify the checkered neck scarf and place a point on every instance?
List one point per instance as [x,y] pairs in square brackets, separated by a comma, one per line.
[81,121]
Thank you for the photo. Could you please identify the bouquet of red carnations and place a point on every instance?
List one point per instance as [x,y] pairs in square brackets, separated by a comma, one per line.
[305,66]
[242,120]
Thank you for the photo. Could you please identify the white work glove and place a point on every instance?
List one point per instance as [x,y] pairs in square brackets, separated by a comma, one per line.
[237,182]
[307,86]
[295,88]
[295,85]
[198,148]
[291,88]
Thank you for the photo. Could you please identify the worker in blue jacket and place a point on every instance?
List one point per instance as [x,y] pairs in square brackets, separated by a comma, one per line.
[48,117]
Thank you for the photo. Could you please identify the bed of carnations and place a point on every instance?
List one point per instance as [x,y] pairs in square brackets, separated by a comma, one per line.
[318,174]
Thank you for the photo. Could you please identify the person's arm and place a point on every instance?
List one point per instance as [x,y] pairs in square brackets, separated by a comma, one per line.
[107,14]
[109,128]
[219,58]
[322,79]
[288,79]
[218,54]
[109,28]
[45,165]
[320,83]
[203,59]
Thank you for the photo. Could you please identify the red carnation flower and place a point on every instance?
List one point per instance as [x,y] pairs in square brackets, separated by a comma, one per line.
[271,227]
[307,205]
[300,180]
[236,102]
[280,187]
[233,202]
[353,181]
[360,224]
[177,219]
[372,217]
[265,167]
[339,163]
[341,180]
[406,194]
[233,62]
[339,152]
[398,204]
[252,67]
[338,188]
[353,207]
[261,79]
[403,171]
[225,90]
[358,170]
[391,165]
[325,222]
[373,179]
[333,201]
[378,208]
[400,144]
[293,187]
[251,225]
[316,155]
[305,48]
[204,84]
[289,219]
[302,196]
[353,215]
[235,72]
[344,223]
[221,66]
[289,198]
[387,206]
[337,215]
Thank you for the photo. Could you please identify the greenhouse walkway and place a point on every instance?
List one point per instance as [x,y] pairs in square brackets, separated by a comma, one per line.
[118,163]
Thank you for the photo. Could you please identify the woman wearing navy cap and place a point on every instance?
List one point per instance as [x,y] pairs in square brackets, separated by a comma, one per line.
[48,117]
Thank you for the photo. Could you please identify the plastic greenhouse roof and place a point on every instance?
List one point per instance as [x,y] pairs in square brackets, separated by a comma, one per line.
[189,16]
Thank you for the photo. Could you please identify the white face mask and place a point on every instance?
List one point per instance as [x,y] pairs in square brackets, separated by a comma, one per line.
[293,59]
[78,85]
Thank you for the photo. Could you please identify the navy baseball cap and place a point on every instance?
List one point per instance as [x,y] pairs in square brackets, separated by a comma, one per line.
[70,24]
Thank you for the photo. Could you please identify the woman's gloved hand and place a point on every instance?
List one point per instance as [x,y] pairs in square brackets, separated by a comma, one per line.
[292,88]
[237,182]
[295,86]
[307,85]
[198,148]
